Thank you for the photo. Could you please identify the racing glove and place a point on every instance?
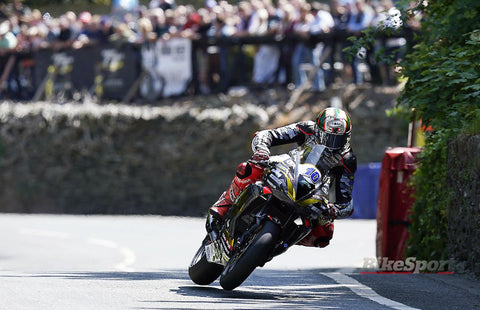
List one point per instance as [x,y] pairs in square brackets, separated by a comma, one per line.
[331,211]
[261,155]
[326,212]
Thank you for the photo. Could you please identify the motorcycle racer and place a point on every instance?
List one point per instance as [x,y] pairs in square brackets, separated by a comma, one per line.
[332,129]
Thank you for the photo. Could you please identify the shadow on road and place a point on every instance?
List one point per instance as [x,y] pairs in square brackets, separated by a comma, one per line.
[264,289]
[258,278]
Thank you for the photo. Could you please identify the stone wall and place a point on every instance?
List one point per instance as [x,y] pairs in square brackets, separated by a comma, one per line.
[463,217]
[171,159]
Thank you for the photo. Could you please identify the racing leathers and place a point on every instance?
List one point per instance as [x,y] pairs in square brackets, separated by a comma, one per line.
[339,165]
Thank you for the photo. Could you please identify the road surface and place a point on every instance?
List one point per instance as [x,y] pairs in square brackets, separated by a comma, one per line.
[140,262]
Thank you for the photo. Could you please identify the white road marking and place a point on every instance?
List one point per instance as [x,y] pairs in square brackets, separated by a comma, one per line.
[124,265]
[128,255]
[128,260]
[365,291]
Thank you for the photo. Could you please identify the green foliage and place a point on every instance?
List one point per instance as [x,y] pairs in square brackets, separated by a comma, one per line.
[443,83]
[443,87]
[428,233]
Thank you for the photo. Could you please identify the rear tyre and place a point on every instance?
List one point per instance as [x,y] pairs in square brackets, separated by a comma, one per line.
[241,265]
[201,271]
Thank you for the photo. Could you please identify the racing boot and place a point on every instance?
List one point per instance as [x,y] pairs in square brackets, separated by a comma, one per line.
[246,174]
[217,212]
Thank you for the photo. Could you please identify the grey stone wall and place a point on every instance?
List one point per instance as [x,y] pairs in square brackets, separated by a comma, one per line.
[463,177]
[172,159]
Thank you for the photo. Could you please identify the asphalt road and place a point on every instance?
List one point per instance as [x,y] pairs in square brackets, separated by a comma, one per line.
[140,262]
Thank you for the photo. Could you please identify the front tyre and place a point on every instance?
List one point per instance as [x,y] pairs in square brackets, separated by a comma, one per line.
[201,271]
[241,265]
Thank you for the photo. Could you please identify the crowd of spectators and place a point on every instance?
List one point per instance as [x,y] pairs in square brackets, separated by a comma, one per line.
[24,30]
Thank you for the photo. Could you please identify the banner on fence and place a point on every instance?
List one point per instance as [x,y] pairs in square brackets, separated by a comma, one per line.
[118,71]
[109,71]
[104,70]
[167,66]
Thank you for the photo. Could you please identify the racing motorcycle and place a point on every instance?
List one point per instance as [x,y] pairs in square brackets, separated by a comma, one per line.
[266,219]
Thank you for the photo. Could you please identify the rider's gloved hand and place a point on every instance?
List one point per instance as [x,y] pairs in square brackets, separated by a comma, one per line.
[331,211]
[261,155]
[326,212]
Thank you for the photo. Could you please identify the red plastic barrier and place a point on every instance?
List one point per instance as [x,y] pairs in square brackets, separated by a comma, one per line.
[394,201]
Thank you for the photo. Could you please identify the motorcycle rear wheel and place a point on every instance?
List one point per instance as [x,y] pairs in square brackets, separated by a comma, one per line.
[201,271]
[241,265]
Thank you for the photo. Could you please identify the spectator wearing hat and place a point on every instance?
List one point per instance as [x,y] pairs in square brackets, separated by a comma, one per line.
[105,29]
[89,29]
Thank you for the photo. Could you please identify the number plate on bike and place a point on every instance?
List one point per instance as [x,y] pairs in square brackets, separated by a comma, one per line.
[214,254]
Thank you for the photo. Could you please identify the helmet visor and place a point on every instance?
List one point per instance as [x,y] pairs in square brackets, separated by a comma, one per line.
[332,141]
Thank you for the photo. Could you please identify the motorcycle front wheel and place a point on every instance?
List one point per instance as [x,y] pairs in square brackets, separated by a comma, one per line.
[243,263]
[201,271]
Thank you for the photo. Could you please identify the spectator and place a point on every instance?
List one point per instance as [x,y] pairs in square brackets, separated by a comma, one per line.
[52,30]
[162,4]
[302,59]
[34,18]
[145,32]
[266,61]
[19,8]
[89,31]
[341,15]
[285,30]
[8,41]
[66,35]
[181,16]
[164,20]
[322,24]
[242,22]
[191,26]
[122,34]
[157,17]
[361,17]
[8,44]
[222,26]
[202,56]
[14,24]
[105,29]
[30,38]
[130,20]
[171,25]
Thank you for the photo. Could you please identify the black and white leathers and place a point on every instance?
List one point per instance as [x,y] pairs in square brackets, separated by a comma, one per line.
[340,165]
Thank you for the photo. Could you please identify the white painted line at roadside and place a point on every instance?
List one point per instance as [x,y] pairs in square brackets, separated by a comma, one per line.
[128,255]
[365,291]
[128,260]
